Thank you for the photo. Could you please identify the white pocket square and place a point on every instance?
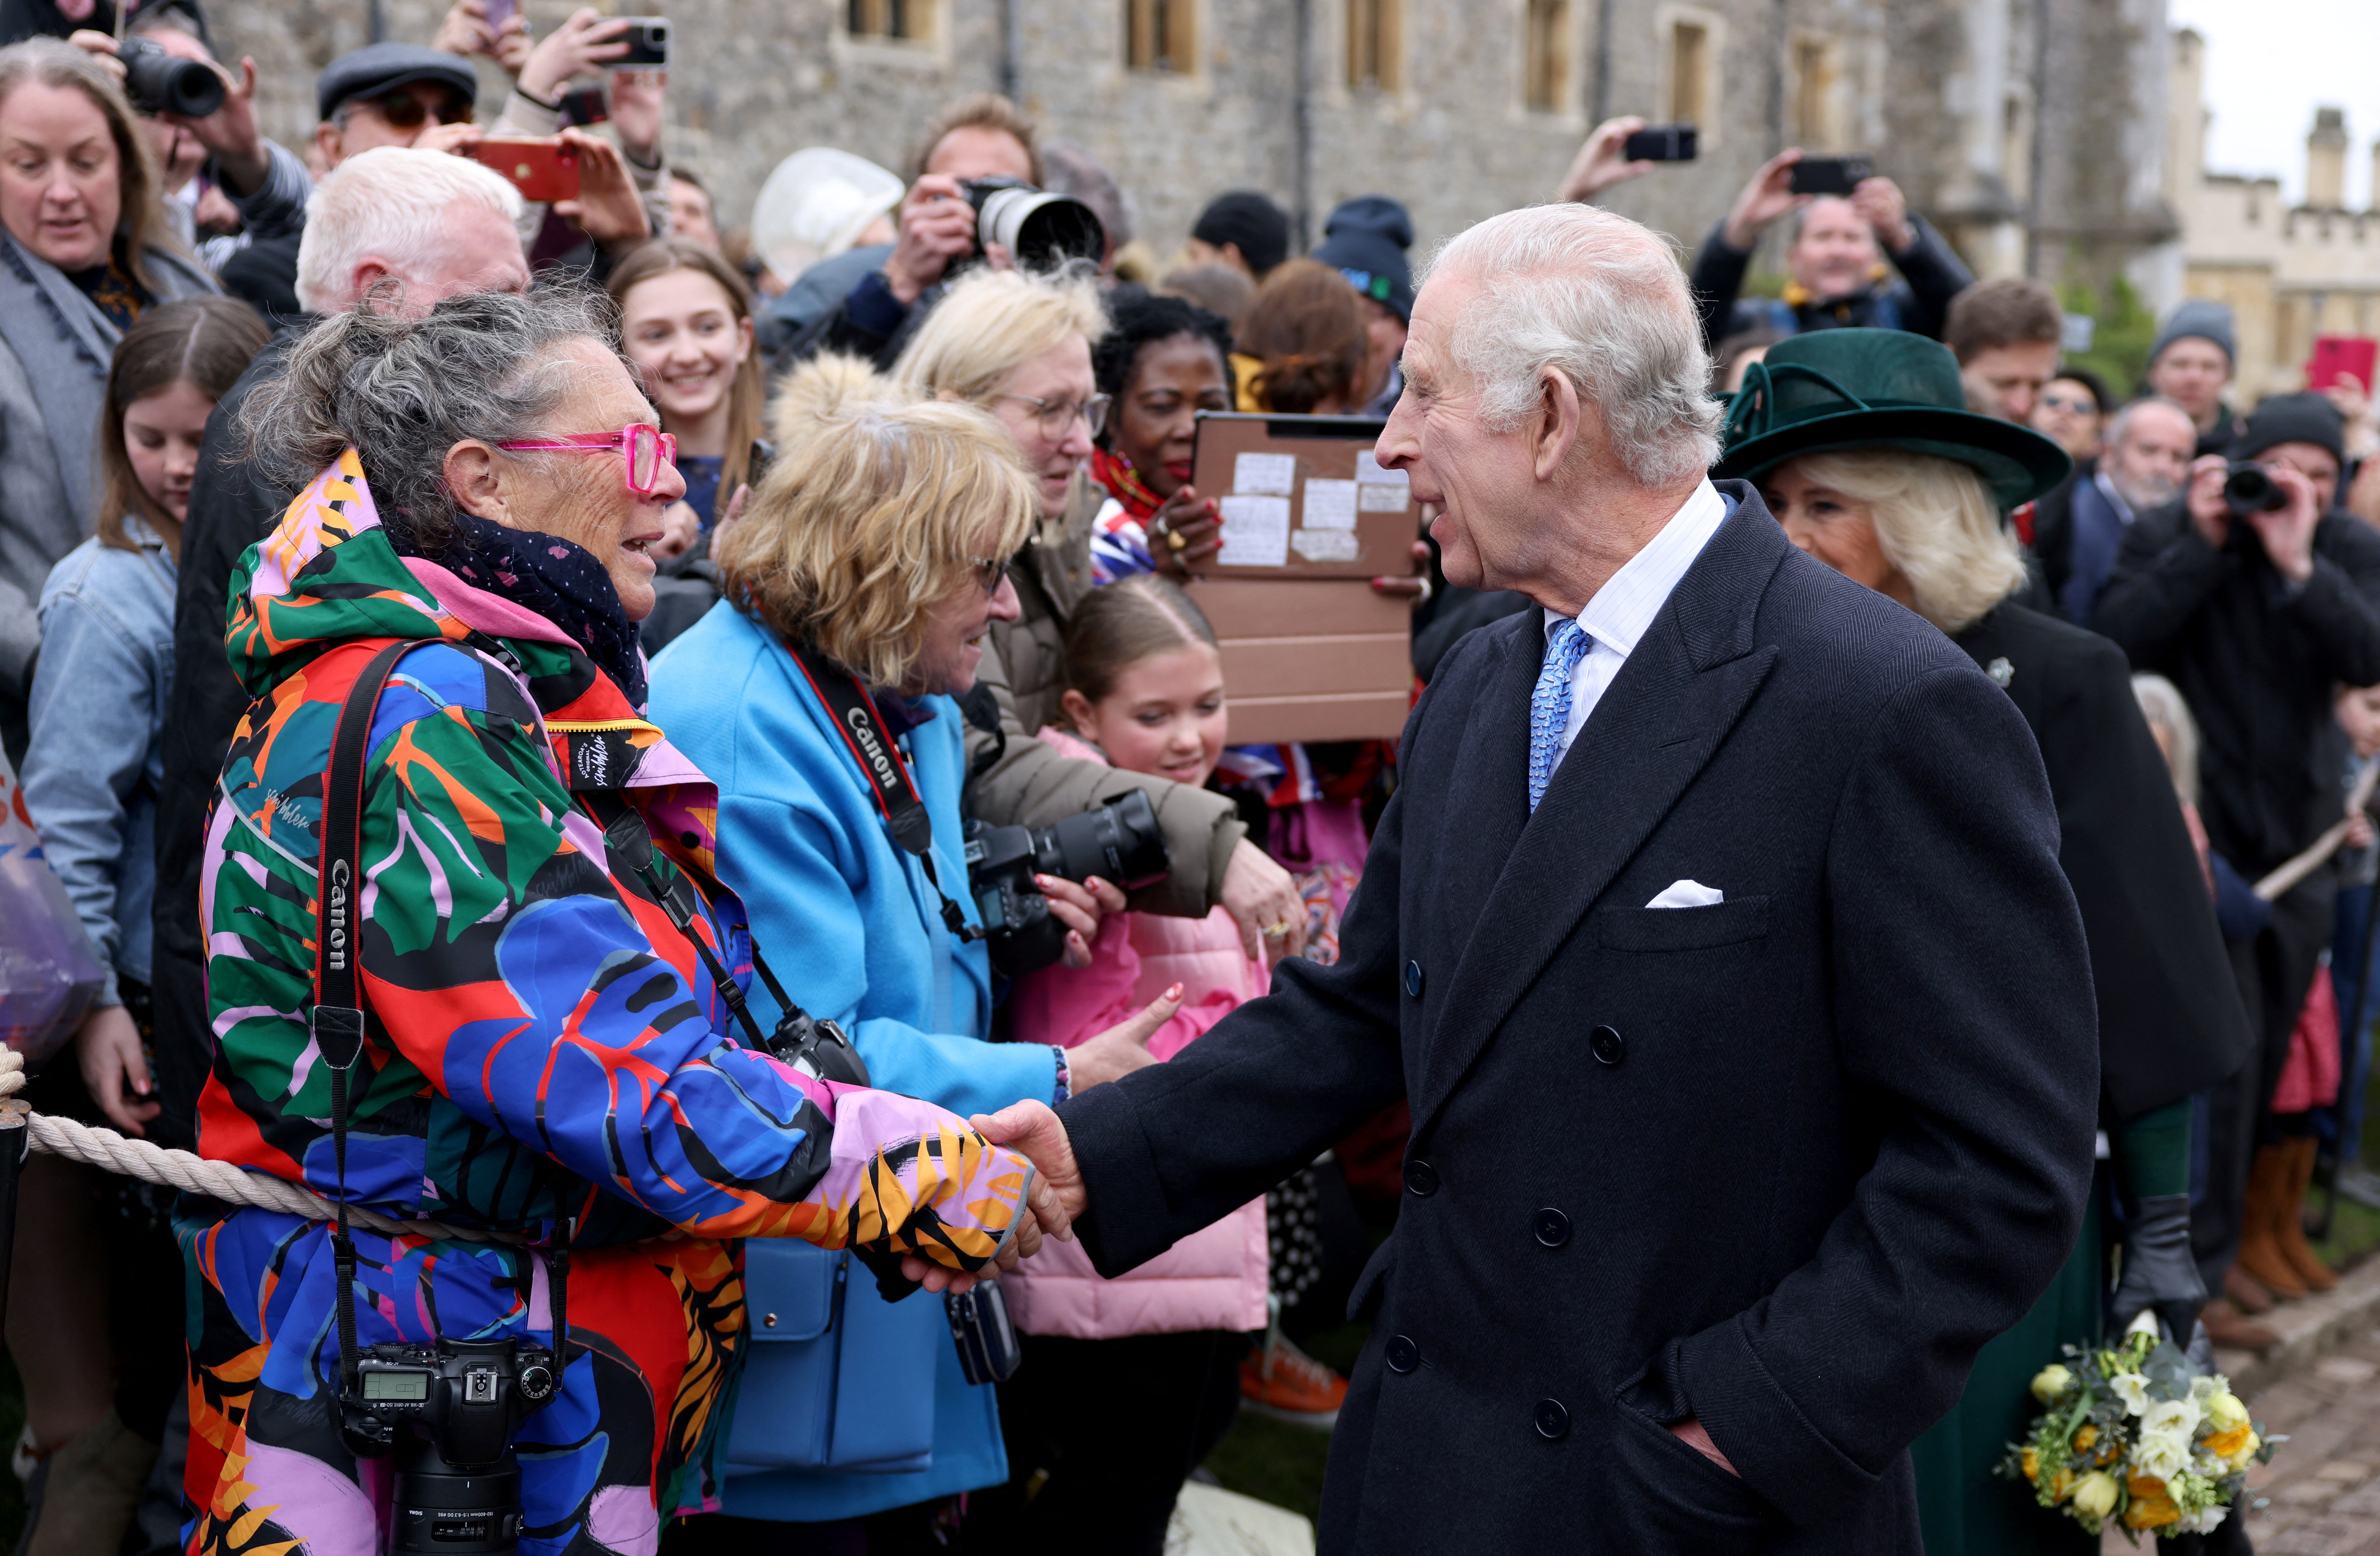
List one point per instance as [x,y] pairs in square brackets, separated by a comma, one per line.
[1688,893]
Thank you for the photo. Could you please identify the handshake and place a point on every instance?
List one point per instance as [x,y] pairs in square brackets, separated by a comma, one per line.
[1033,1131]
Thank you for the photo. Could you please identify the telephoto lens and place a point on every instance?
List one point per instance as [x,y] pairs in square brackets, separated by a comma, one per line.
[2250,489]
[1040,230]
[158,82]
[1119,841]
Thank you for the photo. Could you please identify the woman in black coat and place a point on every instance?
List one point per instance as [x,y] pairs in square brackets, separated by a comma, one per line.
[1861,445]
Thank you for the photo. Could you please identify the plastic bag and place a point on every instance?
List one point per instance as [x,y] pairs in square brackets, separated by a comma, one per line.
[49,974]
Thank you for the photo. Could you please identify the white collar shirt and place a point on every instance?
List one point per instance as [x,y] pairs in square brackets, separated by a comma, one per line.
[2123,509]
[1624,607]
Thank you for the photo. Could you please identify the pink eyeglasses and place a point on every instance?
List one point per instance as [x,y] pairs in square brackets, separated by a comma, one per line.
[643,450]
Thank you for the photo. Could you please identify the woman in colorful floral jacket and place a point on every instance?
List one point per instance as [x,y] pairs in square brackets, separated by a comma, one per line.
[546,1055]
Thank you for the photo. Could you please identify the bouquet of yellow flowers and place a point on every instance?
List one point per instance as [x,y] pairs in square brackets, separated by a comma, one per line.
[2131,1433]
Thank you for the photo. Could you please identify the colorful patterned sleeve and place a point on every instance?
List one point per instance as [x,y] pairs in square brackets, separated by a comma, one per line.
[509,969]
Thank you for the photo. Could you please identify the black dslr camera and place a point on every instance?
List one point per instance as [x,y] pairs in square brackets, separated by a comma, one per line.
[448,1411]
[1119,841]
[158,82]
[1040,230]
[2249,489]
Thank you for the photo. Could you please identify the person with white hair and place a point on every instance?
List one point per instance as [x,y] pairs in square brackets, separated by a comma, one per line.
[1717,938]
[408,228]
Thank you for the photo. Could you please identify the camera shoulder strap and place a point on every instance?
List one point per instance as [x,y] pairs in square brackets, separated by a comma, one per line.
[857,719]
[337,1018]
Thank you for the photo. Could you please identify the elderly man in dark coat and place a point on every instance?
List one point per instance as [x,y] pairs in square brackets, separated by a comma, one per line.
[1717,936]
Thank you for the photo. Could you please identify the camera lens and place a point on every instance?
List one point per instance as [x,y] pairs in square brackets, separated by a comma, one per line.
[1040,230]
[158,82]
[439,1508]
[1120,842]
[2250,488]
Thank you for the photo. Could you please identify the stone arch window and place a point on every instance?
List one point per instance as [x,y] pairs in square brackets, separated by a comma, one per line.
[1376,44]
[1545,56]
[1162,35]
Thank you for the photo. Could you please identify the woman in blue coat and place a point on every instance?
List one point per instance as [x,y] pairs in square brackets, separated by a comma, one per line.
[857,588]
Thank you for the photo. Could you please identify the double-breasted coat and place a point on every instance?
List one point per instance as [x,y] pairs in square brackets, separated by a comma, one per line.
[1782,1163]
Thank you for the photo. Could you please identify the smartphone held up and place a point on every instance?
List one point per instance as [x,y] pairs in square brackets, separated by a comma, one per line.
[1831,176]
[544,170]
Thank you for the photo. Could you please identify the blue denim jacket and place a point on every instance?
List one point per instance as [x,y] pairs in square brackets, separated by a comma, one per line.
[94,764]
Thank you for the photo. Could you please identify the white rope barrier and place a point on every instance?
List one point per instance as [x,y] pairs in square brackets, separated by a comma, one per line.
[112,1152]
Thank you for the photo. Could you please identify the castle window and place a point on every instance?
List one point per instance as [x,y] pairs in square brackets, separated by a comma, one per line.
[1688,67]
[1375,55]
[1162,35]
[901,20]
[1546,55]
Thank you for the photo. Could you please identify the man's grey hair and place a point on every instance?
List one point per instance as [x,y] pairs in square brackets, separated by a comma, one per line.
[393,204]
[1601,300]
[2123,418]
[1068,168]
[402,390]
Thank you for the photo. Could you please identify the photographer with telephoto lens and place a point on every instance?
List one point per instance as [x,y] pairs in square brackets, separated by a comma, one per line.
[975,197]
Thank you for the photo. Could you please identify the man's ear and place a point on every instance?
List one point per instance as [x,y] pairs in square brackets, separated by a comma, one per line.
[326,141]
[476,476]
[1560,421]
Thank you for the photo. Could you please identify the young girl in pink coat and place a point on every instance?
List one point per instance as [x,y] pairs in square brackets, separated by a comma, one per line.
[1128,1383]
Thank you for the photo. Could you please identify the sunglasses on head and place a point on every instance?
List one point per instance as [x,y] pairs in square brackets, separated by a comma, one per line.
[404,110]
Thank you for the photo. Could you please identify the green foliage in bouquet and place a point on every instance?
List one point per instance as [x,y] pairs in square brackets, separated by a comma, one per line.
[2135,1434]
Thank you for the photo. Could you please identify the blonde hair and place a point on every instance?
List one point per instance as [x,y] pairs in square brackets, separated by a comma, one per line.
[990,323]
[1936,523]
[862,526]
[2165,707]
[140,212]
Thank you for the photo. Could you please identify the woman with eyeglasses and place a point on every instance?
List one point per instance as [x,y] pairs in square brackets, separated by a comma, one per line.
[1019,346]
[858,587]
[546,965]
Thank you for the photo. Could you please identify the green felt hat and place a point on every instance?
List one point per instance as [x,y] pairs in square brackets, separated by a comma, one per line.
[1833,390]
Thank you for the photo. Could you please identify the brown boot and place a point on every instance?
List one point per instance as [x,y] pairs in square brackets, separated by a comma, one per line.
[2289,1225]
[2246,1294]
[2265,1202]
[2228,1328]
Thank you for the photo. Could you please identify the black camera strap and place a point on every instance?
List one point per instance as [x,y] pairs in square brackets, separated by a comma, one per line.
[881,763]
[336,1020]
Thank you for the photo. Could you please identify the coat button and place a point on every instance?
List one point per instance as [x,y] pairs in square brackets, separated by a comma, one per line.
[1551,1226]
[1553,1421]
[1421,1179]
[1412,979]
[1401,1353]
[1607,1046]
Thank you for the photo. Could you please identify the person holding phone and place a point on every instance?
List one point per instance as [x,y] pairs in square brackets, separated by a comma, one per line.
[1837,261]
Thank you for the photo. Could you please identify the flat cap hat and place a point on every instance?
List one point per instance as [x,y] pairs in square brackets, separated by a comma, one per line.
[377,68]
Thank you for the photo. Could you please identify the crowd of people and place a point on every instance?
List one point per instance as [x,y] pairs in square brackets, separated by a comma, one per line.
[681,616]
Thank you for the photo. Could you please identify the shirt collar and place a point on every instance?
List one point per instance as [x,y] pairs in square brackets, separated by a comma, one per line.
[2115,498]
[1624,607]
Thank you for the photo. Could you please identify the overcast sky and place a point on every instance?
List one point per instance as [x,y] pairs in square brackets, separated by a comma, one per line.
[2269,63]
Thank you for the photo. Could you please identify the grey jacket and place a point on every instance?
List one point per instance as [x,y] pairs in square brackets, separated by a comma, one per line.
[1030,784]
[55,350]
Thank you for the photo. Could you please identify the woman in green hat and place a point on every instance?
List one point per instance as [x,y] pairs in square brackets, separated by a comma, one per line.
[1860,444]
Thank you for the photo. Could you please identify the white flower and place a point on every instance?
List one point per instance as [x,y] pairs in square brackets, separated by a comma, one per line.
[2177,1415]
[2133,1390]
[2164,1455]
[2203,1520]
[2206,1386]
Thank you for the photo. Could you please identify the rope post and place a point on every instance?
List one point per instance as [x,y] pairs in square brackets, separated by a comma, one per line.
[16,1138]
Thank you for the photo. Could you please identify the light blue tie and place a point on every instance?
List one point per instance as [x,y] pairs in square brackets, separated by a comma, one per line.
[1550,707]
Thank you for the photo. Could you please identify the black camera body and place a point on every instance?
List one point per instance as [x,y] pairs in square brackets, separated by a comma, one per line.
[1831,176]
[1119,841]
[1663,142]
[448,1411]
[648,45]
[1040,230]
[2250,488]
[158,82]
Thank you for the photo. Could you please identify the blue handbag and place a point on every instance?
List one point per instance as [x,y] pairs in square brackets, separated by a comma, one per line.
[836,1378]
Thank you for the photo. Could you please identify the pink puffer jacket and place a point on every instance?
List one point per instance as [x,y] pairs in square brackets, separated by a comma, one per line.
[1213,1279]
